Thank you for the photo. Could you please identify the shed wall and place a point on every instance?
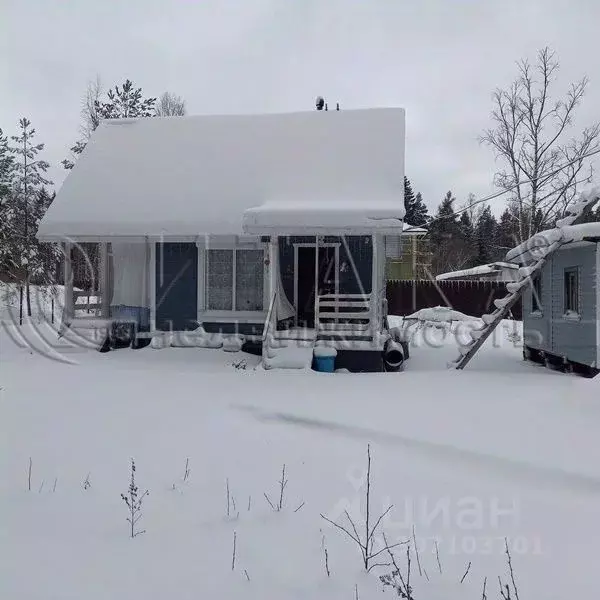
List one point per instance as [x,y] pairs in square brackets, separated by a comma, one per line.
[551,330]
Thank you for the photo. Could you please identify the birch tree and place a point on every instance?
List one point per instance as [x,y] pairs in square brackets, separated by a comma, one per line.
[543,161]
[90,119]
[170,105]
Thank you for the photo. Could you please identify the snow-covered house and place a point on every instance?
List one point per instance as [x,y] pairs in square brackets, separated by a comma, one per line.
[252,227]
[561,309]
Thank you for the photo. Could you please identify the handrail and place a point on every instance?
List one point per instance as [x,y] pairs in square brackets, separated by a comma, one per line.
[269,318]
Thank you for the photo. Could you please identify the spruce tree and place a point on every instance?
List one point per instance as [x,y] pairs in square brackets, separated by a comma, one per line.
[508,232]
[449,252]
[486,230]
[467,235]
[416,211]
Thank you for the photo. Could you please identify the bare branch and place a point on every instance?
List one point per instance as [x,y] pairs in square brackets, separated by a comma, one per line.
[417,551]
[466,572]
[233,552]
[510,568]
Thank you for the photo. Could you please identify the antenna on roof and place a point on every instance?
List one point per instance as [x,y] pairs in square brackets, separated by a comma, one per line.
[320,102]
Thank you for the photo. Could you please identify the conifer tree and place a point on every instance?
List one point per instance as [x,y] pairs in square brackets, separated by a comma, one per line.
[448,250]
[25,209]
[416,211]
[486,230]
[7,171]
[122,102]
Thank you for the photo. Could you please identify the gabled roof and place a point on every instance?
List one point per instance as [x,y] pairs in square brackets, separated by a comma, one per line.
[179,176]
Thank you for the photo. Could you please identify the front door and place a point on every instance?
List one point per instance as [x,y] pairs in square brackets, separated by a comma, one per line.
[325,280]
[176,286]
[305,287]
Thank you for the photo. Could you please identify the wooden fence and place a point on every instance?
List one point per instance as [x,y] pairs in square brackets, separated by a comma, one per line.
[473,298]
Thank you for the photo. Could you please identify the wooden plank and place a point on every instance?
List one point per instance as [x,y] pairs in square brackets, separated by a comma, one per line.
[366,297]
[337,316]
[344,303]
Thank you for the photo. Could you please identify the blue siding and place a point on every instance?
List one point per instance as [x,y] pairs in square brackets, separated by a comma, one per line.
[176,286]
[575,339]
[537,327]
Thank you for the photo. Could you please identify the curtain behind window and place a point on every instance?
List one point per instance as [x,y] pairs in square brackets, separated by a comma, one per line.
[249,280]
[220,280]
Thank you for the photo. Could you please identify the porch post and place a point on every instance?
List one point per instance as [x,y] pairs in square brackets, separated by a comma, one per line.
[68,287]
[316,307]
[152,282]
[375,283]
[104,281]
[273,265]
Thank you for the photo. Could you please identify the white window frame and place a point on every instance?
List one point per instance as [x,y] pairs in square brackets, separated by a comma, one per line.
[539,310]
[568,313]
[233,244]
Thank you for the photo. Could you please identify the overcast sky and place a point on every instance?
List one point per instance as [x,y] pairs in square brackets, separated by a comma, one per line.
[440,59]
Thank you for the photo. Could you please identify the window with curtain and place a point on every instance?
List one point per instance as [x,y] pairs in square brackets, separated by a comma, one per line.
[249,276]
[235,280]
[219,281]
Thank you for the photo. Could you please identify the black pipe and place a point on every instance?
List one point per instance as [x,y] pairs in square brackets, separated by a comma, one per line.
[393,356]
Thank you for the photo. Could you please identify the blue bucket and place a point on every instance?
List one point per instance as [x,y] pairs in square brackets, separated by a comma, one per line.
[325,364]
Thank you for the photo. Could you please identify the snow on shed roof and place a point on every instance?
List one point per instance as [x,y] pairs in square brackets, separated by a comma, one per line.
[488,269]
[535,246]
[199,174]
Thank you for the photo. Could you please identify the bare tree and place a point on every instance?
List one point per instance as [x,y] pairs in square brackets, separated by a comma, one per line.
[90,119]
[532,136]
[170,105]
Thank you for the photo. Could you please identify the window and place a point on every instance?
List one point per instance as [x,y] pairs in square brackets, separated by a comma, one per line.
[220,280]
[536,294]
[235,280]
[572,291]
[249,275]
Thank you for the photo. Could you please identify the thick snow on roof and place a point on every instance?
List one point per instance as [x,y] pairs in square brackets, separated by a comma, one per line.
[409,229]
[198,175]
[327,215]
[534,247]
[478,270]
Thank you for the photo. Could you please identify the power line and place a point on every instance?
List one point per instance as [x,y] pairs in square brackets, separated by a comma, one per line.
[506,191]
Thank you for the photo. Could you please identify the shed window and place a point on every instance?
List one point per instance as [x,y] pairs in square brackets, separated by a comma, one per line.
[235,279]
[572,290]
[536,294]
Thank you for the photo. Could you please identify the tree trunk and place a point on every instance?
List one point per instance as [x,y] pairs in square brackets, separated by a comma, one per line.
[27,291]
[21,304]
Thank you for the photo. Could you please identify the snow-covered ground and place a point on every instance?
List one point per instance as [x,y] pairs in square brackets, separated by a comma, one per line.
[502,449]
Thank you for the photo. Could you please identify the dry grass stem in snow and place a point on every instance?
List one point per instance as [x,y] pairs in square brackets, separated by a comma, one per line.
[367,542]
[133,500]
